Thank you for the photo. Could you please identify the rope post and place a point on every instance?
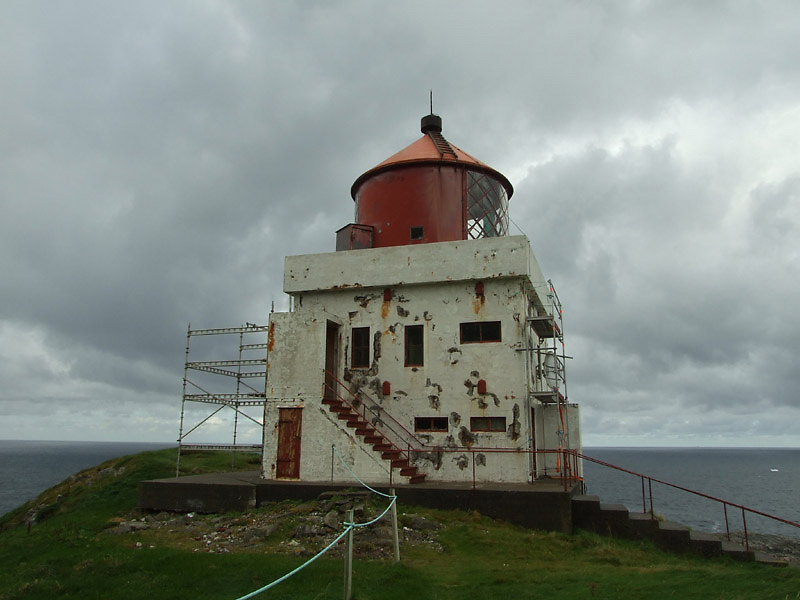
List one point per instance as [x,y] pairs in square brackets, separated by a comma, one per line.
[395,532]
[348,558]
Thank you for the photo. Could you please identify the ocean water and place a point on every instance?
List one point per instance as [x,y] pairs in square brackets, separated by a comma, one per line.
[28,468]
[764,479]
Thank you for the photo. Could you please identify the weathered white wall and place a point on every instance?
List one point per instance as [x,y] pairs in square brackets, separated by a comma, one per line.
[438,292]
[486,258]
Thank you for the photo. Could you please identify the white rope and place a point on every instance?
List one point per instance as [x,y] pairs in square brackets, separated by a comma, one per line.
[348,528]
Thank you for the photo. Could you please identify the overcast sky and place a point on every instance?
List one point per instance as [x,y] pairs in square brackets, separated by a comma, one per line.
[159,159]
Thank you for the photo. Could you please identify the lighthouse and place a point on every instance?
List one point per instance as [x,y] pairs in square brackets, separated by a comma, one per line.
[428,346]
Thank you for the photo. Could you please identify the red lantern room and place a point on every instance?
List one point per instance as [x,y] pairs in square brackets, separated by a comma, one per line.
[431,191]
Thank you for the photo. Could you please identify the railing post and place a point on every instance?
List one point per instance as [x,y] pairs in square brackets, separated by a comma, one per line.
[332,450]
[348,559]
[727,528]
[473,469]
[744,526]
[395,532]
[650,491]
[644,504]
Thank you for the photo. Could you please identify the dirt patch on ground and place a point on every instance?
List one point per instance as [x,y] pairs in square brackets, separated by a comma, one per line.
[299,528]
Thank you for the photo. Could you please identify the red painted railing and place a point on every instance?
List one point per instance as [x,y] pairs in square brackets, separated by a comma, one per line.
[400,437]
[647,498]
[568,471]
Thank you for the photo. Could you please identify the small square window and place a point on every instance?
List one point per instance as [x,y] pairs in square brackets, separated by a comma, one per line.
[359,348]
[417,233]
[414,350]
[430,423]
[480,332]
[492,424]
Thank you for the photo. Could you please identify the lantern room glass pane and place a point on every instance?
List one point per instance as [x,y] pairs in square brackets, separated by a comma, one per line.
[487,206]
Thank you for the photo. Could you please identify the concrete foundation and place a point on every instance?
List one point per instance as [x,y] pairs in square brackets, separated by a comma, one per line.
[541,505]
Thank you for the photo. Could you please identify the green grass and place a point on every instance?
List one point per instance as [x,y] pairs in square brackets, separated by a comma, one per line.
[68,554]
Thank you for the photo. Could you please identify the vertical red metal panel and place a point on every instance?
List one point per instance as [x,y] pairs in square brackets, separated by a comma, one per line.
[387,388]
[481,386]
[426,196]
[289,430]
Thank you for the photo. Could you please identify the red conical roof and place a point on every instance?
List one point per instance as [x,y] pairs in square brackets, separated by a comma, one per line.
[432,148]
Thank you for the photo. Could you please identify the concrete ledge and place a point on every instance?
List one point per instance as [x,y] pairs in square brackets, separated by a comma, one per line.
[541,505]
[199,493]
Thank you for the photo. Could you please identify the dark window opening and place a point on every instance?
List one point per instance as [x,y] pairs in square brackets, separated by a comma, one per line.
[430,423]
[359,348]
[494,424]
[484,331]
[414,346]
[417,233]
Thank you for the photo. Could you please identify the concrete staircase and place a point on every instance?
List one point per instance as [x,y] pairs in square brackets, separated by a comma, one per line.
[616,520]
[398,459]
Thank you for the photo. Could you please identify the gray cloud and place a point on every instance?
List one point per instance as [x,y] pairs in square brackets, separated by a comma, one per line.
[160,160]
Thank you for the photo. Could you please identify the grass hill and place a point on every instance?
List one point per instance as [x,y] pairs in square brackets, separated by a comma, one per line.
[84,538]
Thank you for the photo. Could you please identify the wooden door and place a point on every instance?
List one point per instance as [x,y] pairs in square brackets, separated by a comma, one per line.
[289,427]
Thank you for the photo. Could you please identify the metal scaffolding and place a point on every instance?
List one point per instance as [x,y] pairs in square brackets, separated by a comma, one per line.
[235,384]
[547,380]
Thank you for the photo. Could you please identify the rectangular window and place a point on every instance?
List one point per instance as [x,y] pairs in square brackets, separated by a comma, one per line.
[430,423]
[417,233]
[414,346]
[483,331]
[359,348]
[494,424]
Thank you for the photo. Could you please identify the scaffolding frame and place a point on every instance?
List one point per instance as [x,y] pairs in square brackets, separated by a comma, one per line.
[547,360]
[226,371]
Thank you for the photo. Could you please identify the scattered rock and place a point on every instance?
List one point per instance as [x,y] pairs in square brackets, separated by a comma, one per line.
[308,528]
[332,520]
[421,523]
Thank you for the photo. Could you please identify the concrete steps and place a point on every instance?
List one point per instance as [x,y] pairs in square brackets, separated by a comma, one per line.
[374,438]
[617,521]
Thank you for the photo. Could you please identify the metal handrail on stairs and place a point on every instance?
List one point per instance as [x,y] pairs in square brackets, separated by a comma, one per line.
[725,503]
[383,421]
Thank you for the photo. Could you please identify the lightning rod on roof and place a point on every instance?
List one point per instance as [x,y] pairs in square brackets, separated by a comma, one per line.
[431,101]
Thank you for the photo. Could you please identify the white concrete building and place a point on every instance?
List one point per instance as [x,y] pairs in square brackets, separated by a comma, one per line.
[428,347]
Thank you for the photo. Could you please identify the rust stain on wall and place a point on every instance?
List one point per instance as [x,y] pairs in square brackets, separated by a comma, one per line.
[271,337]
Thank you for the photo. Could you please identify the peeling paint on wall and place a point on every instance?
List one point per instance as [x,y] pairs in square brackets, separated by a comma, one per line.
[402,312]
[433,458]
[462,461]
[455,419]
[363,301]
[466,437]
[515,427]
[480,460]
[454,354]
[433,390]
